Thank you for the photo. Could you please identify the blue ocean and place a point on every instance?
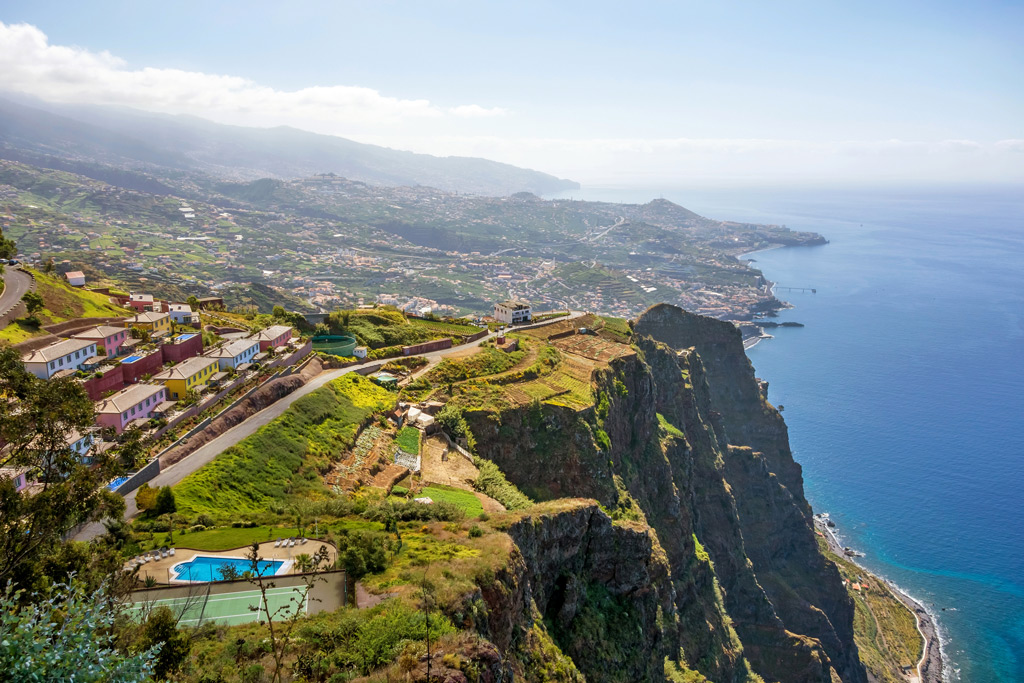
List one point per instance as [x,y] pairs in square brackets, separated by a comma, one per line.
[904,393]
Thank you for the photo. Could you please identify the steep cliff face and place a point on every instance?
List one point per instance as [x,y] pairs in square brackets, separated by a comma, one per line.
[803,587]
[731,577]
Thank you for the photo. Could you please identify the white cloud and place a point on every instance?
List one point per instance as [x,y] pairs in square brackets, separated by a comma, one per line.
[470,111]
[29,64]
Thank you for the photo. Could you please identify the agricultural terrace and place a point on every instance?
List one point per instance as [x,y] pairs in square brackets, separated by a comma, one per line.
[284,461]
[551,371]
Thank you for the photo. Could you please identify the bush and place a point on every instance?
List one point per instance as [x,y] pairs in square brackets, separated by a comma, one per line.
[475,531]
[492,482]
[165,503]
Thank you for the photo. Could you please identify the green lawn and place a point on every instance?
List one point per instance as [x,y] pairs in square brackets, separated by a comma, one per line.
[409,440]
[464,499]
[222,539]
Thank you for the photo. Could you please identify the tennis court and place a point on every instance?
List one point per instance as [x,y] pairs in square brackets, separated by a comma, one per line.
[240,607]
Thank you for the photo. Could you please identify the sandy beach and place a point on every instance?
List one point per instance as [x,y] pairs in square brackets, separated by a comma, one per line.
[929,668]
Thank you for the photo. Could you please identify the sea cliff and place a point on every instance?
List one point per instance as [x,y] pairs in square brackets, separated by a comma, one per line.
[696,558]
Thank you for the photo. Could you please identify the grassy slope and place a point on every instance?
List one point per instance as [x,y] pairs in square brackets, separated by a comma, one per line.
[409,440]
[283,460]
[62,303]
[884,629]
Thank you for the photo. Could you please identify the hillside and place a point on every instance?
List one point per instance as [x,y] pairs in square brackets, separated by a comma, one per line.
[61,302]
[140,140]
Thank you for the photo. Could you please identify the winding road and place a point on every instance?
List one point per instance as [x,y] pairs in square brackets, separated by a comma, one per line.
[16,283]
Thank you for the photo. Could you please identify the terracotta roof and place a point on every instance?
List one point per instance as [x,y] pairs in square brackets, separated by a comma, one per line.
[98,332]
[272,333]
[147,317]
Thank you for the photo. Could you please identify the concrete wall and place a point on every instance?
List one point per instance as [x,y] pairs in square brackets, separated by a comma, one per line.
[112,380]
[426,347]
[150,365]
[177,352]
[147,473]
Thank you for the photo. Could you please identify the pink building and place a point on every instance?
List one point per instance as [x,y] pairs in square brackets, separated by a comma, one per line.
[272,337]
[106,337]
[137,402]
[18,475]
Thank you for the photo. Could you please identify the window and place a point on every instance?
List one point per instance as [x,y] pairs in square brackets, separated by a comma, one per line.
[124,415]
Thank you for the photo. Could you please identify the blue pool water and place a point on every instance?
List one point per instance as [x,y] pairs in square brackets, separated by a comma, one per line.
[112,486]
[131,359]
[205,568]
[184,337]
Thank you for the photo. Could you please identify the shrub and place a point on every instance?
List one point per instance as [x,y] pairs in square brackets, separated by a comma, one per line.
[475,531]
[492,482]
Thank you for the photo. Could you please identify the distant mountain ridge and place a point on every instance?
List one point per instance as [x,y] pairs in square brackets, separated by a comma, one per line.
[133,139]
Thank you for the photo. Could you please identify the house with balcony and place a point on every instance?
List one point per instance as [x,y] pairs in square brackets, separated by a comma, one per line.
[142,302]
[63,357]
[274,336]
[236,354]
[190,375]
[157,324]
[512,312]
[136,402]
[107,337]
[182,314]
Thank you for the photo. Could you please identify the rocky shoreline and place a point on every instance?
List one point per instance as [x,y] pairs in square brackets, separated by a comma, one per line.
[929,668]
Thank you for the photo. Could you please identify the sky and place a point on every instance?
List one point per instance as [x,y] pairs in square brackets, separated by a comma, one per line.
[609,93]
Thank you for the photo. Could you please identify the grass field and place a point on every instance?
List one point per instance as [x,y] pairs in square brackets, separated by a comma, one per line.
[464,499]
[409,440]
[222,539]
[445,328]
[283,460]
[227,608]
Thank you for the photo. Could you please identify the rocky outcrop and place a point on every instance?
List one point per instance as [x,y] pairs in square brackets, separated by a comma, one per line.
[682,445]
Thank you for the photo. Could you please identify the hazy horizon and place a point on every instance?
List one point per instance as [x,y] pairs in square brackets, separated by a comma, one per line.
[661,94]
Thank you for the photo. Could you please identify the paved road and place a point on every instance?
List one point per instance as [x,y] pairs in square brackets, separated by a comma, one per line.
[17,282]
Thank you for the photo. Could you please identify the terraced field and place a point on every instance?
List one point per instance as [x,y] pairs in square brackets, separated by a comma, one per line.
[593,347]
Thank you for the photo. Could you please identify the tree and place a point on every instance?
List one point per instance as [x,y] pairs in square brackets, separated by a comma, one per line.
[145,497]
[7,248]
[36,419]
[33,302]
[133,450]
[65,635]
[280,621]
[161,631]
[165,503]
[193,302]
[279,312]
[48,267]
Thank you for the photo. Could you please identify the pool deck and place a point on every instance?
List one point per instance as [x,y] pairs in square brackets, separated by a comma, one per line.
[161,569]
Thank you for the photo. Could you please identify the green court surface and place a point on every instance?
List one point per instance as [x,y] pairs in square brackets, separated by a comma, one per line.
[229,608]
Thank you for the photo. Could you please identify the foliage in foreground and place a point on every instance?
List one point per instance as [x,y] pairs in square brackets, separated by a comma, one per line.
[65,635]
[492,482]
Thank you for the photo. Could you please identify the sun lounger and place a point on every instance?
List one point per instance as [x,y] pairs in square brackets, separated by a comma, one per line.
[291,542]
[277,543]
[171,552]
[303,541]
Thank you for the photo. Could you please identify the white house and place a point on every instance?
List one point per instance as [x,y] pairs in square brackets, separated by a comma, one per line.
[68,354]
[182,314]
[512,312]
[76,278]
[361,352]
[235,353]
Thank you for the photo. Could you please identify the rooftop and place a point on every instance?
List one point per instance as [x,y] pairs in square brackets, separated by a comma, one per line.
[185,369]
[273,332]
[98,332]
[147,317]
[57,350]
[514,304]
[234,348]
[126,398]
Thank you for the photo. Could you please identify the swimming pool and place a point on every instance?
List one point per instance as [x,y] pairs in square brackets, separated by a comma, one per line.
[113,486]
[131,359]
[183,337]
[206,568]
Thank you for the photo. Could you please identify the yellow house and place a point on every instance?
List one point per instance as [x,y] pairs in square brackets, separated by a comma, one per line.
[192,374]
[158,324]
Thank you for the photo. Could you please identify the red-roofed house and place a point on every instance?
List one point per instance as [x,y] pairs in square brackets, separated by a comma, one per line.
[76,278]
